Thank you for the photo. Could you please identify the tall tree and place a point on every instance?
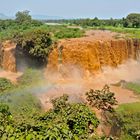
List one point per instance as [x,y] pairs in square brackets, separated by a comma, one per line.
[101,99]
[134,20]
[23,16]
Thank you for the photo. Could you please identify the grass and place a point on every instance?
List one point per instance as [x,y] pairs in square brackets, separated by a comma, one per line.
[57,31]
[129,115]
[129,108]
[62,31]
[133,86]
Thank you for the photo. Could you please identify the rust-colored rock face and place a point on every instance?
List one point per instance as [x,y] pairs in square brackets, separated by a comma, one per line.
[7,56]
[92,55]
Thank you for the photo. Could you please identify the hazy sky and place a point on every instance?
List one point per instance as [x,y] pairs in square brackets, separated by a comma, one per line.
[72,8]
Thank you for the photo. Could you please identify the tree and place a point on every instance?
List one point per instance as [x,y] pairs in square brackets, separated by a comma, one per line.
[77,117]
[60,103]
[23,16]
[101,99]
[66,121]
[133,19]
[37,43]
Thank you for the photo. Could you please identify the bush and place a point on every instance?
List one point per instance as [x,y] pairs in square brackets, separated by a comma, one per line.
[68,33]
[5,84]
[102,99]
[35,42]
[72,121]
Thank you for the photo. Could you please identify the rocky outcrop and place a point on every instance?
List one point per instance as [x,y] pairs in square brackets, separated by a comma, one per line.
[7,56]
[92,55]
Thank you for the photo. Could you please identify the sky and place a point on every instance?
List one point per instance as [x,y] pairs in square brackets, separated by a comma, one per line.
[72,8]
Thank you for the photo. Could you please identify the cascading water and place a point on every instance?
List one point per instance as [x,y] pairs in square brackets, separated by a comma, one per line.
[7,56]
[91,55]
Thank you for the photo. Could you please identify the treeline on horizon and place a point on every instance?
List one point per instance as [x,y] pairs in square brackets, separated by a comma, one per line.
[131,21]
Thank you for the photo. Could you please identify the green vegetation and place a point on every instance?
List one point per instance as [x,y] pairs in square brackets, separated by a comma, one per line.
[72,121]
[129,25]
[69,33]
[23,17]
[5,84]
[21,116]
[33,37]
[130,32]
[37,43]
[131,21]
[23,21]
[133,86]
[101,99]
[129,115]
[9,29]
[62,31]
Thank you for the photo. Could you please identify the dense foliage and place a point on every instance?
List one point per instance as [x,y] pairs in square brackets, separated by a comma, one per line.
[101,99]
[34,37]
[62,31]
[69,33]
[5,84]
[65,121]
[37,43]
[22,22]
[23,17]
[132,20]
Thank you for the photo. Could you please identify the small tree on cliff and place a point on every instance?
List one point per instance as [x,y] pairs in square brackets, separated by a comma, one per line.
[37,43]
[101,99]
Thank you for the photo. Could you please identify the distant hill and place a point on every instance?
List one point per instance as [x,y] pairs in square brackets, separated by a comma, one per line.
[43,17]
[2,16]
[38,17]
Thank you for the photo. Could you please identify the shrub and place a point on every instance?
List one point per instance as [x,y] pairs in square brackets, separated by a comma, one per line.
[72,121]
[102,99]
[5,84]
[35,42]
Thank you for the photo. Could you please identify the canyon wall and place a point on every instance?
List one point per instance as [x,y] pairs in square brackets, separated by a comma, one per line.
[7,56]
[92,55]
